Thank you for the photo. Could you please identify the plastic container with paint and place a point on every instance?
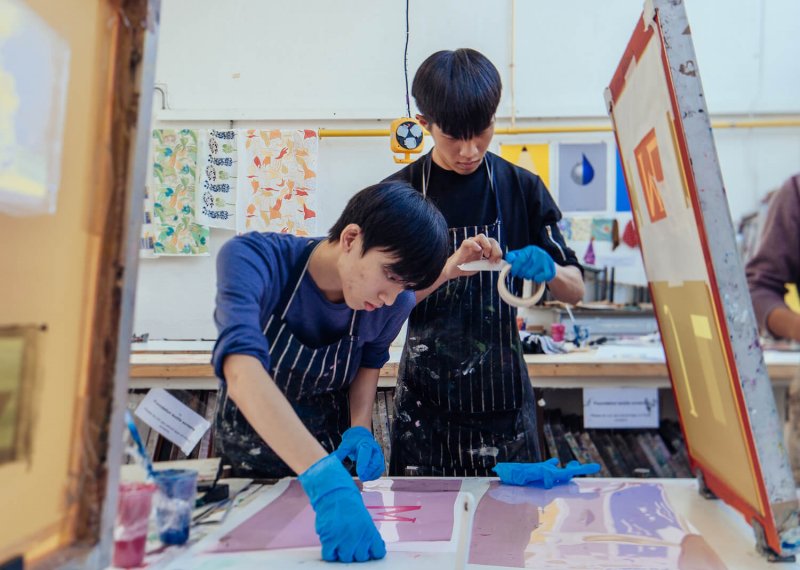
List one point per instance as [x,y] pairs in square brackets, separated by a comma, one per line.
[130,529]
[175,500]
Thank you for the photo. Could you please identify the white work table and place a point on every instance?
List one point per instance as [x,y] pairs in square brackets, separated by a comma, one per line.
[721,528]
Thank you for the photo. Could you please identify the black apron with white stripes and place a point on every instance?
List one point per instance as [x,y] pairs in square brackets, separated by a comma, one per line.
[315,381]
[464,401]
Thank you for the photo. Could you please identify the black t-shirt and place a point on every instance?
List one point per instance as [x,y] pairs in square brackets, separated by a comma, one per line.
[530,215]
[465,200]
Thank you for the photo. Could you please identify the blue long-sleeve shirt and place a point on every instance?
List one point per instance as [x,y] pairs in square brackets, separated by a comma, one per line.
[252,271]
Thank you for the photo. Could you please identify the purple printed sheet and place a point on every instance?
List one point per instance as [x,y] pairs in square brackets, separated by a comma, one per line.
[598,525]
[404,511]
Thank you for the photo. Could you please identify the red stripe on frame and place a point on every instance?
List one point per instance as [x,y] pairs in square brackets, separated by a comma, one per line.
[636,46]
[714,483]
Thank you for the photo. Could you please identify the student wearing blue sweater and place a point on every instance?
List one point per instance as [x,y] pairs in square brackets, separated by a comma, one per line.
[304,327]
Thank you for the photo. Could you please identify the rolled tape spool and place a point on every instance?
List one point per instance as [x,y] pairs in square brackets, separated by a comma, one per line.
[512,299]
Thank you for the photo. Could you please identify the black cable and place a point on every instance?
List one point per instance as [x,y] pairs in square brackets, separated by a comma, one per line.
[405,57]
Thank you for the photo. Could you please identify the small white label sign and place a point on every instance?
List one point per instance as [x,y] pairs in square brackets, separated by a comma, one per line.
[172,418]
[620,408]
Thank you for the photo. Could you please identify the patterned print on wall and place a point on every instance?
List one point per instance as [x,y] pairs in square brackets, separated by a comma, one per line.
[174,175]
[277,192]
[147,242]
[216,187]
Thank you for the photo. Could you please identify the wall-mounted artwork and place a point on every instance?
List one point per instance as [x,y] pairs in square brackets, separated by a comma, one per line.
[147,241]
[278,184]
[623,203]
[533,157]
[677,197]
[18,379]
[174,164]
[217,179]
[32,110]
[582,177]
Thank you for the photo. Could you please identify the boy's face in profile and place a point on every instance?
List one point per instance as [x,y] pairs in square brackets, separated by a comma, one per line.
[461,156]
[368,282]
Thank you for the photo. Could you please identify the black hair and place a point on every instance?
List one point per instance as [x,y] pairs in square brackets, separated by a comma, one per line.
[459,91]
[400,221]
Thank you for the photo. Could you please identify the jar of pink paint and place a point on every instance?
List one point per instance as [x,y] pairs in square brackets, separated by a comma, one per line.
[130,529]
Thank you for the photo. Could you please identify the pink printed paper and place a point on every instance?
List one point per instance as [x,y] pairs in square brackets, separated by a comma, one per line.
[404,511]
[277,187]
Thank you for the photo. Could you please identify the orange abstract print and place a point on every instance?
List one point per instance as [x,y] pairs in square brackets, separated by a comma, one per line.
[648,162]
[280,188]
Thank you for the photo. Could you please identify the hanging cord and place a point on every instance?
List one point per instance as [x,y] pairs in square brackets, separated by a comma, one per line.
[405,66]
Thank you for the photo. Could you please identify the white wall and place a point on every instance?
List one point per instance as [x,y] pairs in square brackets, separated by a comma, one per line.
[340,65]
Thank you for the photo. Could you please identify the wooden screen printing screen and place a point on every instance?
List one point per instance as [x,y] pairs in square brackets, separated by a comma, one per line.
[696,279]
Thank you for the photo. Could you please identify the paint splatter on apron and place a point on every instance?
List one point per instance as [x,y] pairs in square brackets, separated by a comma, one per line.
[464,401]
[316,382]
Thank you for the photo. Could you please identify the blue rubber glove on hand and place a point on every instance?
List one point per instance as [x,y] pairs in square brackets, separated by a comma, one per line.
[548,472]
[343,524]
[360,446]
[532,263]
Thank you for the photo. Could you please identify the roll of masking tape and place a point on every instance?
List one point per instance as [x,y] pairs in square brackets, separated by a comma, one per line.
[512,299]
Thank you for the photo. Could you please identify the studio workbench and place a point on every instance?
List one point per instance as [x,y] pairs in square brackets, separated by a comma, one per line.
[659,524]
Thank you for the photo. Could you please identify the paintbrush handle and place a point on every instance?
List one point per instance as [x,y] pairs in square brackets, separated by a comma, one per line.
[139,445]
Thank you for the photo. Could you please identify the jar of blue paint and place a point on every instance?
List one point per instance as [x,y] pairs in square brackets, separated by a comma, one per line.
[175,500]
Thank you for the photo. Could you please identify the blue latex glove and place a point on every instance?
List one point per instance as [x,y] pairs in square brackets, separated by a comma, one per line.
[548,472]
[360,446]
[532,263]
[343,524]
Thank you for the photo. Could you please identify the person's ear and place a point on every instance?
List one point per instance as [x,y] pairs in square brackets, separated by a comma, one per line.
[349,236]
[423,121]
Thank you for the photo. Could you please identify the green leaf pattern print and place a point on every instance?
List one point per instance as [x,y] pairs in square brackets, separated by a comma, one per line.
[174,175]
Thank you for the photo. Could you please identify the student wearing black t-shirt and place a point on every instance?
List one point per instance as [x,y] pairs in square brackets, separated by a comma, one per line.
[464,399]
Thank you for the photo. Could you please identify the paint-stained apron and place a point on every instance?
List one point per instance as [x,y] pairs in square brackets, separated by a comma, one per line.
[463,401]
[315,381]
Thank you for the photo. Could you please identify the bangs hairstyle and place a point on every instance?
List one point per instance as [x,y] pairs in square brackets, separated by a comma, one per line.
[458,91]
[398,220]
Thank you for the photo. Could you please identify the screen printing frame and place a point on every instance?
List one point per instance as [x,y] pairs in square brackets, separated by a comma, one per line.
[732,428]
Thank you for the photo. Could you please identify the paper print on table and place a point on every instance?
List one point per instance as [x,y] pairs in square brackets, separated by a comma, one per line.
[278,185]
[174,176]
[403,511]
[216,186]
[623,200]
[533,157]
[585,525]
[582,177]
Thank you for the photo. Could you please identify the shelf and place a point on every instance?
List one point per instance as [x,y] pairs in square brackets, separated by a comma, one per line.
[603,367]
